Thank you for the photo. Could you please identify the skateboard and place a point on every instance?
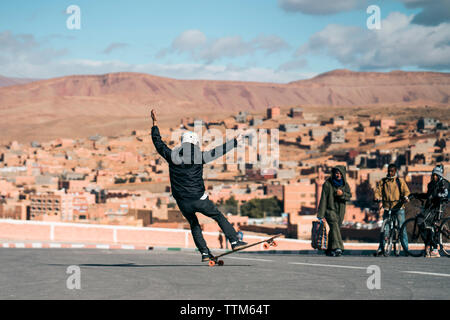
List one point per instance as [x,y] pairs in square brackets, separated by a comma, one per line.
[270,242]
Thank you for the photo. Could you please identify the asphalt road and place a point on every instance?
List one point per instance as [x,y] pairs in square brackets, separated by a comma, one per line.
[126,274]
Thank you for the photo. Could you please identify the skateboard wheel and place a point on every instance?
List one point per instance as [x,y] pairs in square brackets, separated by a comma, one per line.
[266,246]
[211,263]
[274,244]
[220,262]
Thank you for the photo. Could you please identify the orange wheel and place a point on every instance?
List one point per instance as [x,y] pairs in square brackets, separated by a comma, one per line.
[274,244]
[211,263]
[266,246]
[221,263]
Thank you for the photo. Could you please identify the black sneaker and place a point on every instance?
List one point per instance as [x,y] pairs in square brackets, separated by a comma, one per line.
[207,256]
[378,253]
[332,253]
[337,252]
[238,244]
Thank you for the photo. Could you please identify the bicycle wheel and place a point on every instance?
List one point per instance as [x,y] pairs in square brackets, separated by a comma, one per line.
[444,237]
[386,234]
[396,237]
[415,246]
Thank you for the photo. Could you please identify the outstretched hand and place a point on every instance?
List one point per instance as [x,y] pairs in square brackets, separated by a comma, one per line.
[153,114]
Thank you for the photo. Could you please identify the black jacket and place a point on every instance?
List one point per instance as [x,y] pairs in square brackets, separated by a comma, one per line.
[186,165]
[436,192]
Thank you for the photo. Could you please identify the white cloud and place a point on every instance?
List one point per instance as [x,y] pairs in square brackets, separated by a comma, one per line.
[398,44]
[324,7]
[200,48]
[434,12]
[22,55]
[186,71]
[189,40]
[24,48]
[114,46]
[229,47]
[295,64]
[270,44]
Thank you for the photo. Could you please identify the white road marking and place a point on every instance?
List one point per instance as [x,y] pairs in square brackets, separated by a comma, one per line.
[428,273]
[364,268]
[327,265]
[77,245]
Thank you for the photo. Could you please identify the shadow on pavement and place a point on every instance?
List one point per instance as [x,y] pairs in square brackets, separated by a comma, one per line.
[132,265]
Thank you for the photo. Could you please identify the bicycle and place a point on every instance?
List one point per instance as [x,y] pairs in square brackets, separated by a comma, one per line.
[390,231]
[440,228]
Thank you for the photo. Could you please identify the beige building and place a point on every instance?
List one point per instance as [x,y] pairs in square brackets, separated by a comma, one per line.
[51,206]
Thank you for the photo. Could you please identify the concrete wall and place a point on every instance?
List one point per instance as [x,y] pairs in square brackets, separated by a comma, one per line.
[19,230]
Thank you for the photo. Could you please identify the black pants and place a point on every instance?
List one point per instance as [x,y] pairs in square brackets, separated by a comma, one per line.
[190,207]
[425,221]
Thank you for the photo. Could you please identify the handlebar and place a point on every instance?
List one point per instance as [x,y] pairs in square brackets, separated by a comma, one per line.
[413,196]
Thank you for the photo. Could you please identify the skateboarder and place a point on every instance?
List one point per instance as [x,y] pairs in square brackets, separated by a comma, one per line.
[188,188]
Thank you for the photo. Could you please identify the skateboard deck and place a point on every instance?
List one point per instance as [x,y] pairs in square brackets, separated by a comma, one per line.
[269,242]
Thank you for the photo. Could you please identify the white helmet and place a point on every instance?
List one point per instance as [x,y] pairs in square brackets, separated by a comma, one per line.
[190,137]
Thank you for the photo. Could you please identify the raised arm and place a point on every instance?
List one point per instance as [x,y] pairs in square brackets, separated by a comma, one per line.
[160,146]
[219,151]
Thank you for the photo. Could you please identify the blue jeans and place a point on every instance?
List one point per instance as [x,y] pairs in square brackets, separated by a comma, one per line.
[401,219]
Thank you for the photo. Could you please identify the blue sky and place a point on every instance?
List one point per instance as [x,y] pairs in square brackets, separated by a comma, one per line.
[249,40]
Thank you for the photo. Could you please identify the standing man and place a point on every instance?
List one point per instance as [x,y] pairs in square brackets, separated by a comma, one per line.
[188,188]
[391,194]
[335,194]
[220,240]
[437,193]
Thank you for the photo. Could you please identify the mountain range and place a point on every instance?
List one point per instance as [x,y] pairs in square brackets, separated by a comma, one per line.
[81,105]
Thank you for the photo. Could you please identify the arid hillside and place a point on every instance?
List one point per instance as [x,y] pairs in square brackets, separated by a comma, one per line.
[76,106]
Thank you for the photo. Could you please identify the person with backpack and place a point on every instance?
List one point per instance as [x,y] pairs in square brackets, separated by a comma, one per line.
[335,194]
[391,193]
[187,185]
[437,192]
